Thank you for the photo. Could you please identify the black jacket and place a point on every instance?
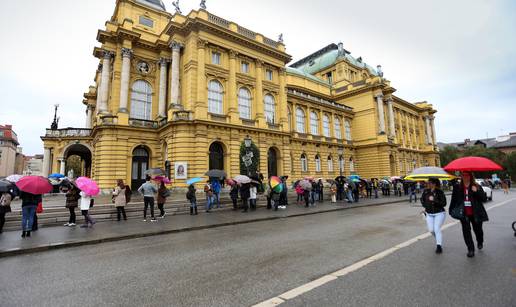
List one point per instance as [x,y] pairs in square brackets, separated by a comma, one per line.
[435,206]
[477,201]
[233,193]
[244,191]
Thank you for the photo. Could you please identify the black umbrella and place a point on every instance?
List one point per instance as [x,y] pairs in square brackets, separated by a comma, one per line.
[155,172]
[217,173]
[6,186]
[340,179]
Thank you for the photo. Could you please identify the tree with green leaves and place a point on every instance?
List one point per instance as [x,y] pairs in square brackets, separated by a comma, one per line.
[254,159]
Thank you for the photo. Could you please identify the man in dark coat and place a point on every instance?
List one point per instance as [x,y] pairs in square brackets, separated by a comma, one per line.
[244,195]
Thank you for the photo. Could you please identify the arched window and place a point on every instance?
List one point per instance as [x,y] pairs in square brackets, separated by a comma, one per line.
[347,129]
[351,165]
[317,163]
[270,108]
[300,120]
[244,103]
[215,97]
[341,164]
[304,163]
[330,164]
[314,123]
[141,100]
[338,129]
[326,126]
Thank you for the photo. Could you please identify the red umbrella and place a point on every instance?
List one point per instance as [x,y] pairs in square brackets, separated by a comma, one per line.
[162,179]
[34,185]
[472,164]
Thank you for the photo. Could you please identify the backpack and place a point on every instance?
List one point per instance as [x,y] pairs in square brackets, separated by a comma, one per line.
[216,187]
[207,188]
[165,193]
[5,200]
[128,194]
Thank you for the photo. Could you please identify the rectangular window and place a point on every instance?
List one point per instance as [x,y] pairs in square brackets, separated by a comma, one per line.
[245,67]
[329,77]
[215,58]
[268,74]
[146,21]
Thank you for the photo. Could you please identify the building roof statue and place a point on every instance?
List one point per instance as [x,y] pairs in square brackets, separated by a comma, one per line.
[203,4]
[176,6]
[280,38]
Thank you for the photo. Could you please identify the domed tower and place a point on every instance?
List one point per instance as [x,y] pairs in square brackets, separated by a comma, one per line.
[157,4]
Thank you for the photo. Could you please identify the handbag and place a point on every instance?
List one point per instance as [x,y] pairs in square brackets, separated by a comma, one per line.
[39,208]
[92,202]
[457,211]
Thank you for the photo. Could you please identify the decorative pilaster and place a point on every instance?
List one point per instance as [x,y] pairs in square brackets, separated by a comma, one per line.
[392,132]
[282,112]
[104,85]
[260,118]
[428,130]
[232,91]
[432,124]
[381,114]
[62,164]
[174,81]
[201,107]
[124,80]
[89,111]
[162,103]
[46,162]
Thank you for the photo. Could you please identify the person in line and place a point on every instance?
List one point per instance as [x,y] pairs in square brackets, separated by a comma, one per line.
[244,195]
[505,187]
[72,202]
[349,195]
[29,204]
[470,195]
[375,187]
[333,191]
[306,195]
[413,193]
[355,191]
[5,207]
[253,191]
[163,193]
[434,202]
[299,192]
[209,196]
[120,200]
[233,194]
[85,203]
[148,190]
[215,186]
[190,195]
[284,193]
[369,189]
[320,190]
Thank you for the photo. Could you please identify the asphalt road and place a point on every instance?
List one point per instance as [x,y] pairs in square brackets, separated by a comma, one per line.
[245,264]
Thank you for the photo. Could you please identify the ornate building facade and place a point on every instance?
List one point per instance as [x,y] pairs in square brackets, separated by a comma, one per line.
[186,90]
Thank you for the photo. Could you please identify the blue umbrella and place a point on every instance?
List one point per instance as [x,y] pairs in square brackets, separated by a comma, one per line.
[354,178]
[194,180]
[56,176]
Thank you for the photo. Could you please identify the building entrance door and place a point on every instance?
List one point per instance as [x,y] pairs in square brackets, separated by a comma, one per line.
[140,165]
[272,163]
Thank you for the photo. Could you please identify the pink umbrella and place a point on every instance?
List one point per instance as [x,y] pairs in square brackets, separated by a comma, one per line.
[88,186]
[36,185]
[162,179]
[230,182]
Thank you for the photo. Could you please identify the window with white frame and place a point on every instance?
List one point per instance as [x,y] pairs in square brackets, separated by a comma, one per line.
[244,103]
[330,164]
[215,97]
[300,120]
[326,126]
[351,165]
[268,74]
[341,164]
[314,123]
[338,128]
[270,108]
[317,163]
[215,57]
[245,67]
[304,163]
[347,128]
[141,100]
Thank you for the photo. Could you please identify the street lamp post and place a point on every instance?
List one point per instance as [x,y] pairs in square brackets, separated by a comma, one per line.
[248,159]
[340,151]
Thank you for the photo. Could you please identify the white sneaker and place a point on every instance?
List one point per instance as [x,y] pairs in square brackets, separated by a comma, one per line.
[145,220]
[67,224]
[72,224]
[154,220]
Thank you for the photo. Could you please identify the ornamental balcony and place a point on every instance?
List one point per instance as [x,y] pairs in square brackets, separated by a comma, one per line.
[68,132]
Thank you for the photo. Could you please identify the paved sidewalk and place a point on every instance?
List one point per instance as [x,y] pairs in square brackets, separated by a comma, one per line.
[59,237]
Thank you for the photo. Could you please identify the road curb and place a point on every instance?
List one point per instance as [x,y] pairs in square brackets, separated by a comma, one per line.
[62,245]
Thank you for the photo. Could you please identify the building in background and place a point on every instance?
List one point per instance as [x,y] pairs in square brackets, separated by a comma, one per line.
[9,153]
[33,165]
[193,89]
[504,143]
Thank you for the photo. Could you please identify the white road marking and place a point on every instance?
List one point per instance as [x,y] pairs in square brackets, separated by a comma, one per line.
[275,301]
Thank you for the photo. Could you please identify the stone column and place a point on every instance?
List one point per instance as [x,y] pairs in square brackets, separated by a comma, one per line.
[104,82]
[259,94]
[433,130]
[88,117]
[201,106]
[392,132]
[381,116]
[174,79]
[400,123]
[162,103]
[428,130]
[46,162]
[124,79]
[233,111]
[282,111]
[62,168]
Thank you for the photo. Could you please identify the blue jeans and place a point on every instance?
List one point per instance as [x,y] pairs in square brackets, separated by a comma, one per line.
[415,197]
[350,196]
[28,217]
[193,204]
[216,199]
[209,202]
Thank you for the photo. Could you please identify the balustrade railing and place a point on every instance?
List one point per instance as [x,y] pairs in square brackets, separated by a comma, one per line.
[68,132]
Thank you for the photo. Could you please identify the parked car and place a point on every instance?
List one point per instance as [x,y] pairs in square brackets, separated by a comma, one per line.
[486,187]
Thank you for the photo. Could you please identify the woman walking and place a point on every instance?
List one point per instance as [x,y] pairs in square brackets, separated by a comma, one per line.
[5,207]
[253,191]
[85,210]
[434,201]
[148,190]
[190,195]
[163,193]
[471,196]
[29,204]
[120,200]
[72,202]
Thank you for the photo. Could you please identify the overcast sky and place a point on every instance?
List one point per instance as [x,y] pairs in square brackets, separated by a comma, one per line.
[459,55]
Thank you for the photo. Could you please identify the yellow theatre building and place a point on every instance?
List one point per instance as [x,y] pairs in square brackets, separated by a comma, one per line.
[185,91]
